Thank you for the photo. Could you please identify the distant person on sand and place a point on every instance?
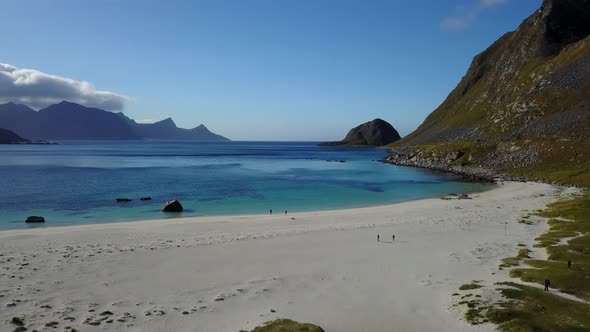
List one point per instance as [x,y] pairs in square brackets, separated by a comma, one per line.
[285,212]
[393,237]
[547,283]
[377,237]
[270,211]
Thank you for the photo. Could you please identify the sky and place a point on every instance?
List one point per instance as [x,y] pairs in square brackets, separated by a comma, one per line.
[290,70]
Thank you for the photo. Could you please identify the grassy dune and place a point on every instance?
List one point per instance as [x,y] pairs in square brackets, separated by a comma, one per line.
[526,308]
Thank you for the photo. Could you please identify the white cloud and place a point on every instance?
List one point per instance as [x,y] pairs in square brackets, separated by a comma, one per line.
[465,16]
[38,90]
[492,3]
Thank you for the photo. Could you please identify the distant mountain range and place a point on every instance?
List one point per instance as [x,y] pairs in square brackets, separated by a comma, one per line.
[167,130]
[71,121]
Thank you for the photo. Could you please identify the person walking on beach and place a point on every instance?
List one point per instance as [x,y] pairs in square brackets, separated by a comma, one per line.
[393,237]
[377,237]
[547,283]
[285,212]
[270,211]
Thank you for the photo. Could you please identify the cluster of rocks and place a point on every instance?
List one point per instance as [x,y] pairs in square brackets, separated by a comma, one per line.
[169,206]
[409,156]
[456,196]
[125,200]
[511,155]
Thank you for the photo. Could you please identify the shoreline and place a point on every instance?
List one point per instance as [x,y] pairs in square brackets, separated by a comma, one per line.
[230,273]
[241,216]
[47,224]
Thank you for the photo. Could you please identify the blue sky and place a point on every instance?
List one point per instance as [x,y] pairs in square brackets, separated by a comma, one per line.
[262,69]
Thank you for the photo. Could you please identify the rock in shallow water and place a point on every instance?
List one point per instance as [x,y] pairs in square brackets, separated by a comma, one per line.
[35,219]
[173,206]
[122,200]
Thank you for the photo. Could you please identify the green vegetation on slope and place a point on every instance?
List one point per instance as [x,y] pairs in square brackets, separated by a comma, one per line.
[522,109]
[560,161]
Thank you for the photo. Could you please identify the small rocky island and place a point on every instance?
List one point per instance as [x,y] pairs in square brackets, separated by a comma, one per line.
[373,133]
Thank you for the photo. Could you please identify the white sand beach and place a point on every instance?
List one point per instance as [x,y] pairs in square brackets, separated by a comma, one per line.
[231,273]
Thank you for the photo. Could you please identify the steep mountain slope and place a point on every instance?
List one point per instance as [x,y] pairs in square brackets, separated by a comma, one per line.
[523,108]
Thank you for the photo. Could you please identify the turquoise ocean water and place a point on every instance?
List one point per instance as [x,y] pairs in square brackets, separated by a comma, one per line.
[77,182]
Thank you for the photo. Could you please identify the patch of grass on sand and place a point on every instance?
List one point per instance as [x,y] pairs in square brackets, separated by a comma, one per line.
[531,309]
[17,321]
[515,261]
[473,285]
[287,325]
[474,316]
[526,221]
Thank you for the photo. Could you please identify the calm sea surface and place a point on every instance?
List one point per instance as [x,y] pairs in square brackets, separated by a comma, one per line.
[77,182]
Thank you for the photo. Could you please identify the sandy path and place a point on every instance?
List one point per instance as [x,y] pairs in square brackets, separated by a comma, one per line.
[231,273]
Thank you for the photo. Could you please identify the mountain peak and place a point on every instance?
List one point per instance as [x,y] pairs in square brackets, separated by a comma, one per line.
[565,22]
[166,123]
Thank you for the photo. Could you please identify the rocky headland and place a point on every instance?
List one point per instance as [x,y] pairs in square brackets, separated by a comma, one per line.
[522,110]
[373,133]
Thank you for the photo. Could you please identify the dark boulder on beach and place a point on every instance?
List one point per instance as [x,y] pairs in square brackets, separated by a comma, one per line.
[122,200]
[173,206]
[32,219]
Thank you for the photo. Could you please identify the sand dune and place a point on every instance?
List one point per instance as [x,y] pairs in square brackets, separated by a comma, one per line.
[230,273]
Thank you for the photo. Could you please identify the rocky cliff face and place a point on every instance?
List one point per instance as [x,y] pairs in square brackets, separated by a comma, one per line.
[373,133]
[523,107]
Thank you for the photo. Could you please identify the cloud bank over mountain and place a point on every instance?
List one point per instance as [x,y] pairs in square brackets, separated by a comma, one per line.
[39,89]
